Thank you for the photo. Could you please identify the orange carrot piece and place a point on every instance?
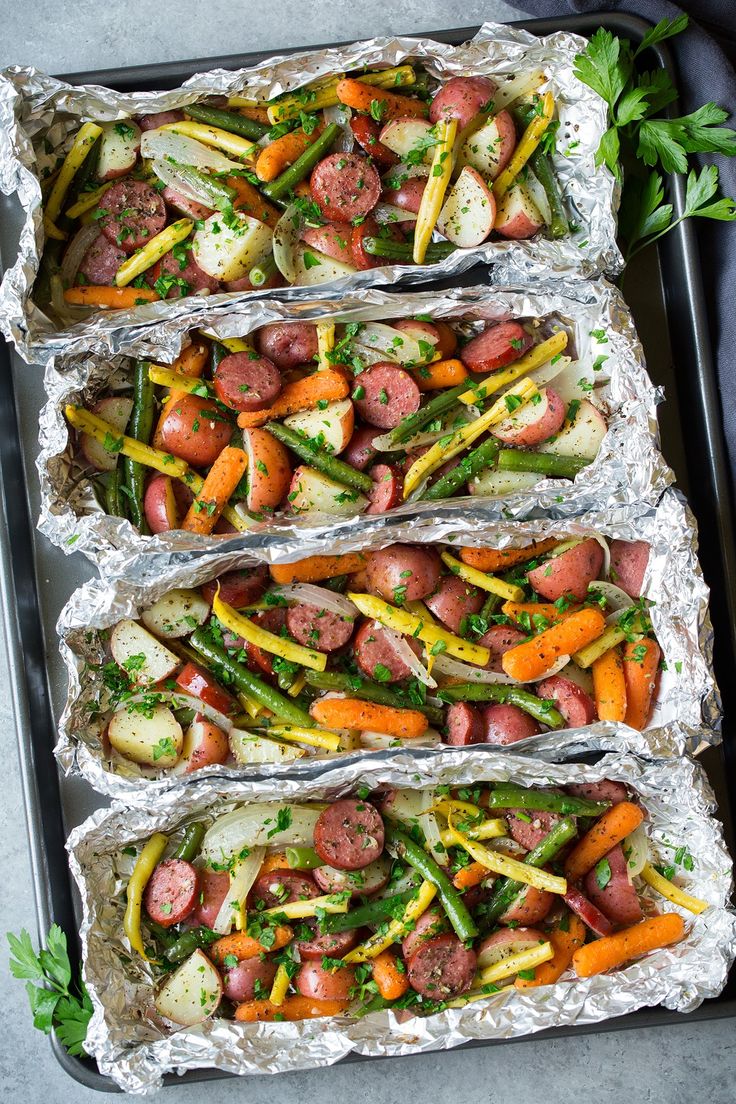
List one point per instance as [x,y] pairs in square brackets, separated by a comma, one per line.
[615,824]
[222,479]
[116,298]
[250,201]
[284,151]
[565,943]
[257,114]
[192,361]
[360,96]
[609,685]
[303,394]
[392,983]
[548,610]
[448,339]
[470,875]
[277,861]
[615,950]
[315,568]
[641,669]
[369,717]
[532,658]
[498,559]
[242,945]
[439,374]
[293,1008]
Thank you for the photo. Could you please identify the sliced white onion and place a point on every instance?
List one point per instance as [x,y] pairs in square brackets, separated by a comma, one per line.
[403,172]
[390,343]
[340,114]
[404,805]
[384,444]
[606,569]
[165,145]
[74,255]
[241,882]
[521,86]
[403,649]
[545,373]
[286,237]
[379,741]
[256,826]
[386,212]
[581,676]
[182,701]
[321,597]
[455,668]
[538,194]
[171,176]
[636,851]
[616,598]
[430,827]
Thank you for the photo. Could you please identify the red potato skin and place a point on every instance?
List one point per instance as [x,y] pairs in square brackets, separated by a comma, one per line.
[200,684]
[577,707]
[629,561]
[409,196]
[462,98]
[314,981]
[500,344]
[159,118]
[241,982]
[431,923]
[618,900]
[238,588]
[366,133]
[454,601]
[191,273]
[418,328]
[515,224]
[194,430]
[500,639]
[333,239]
[506,724]
[531,907]
[154,503]
[205,745]
[529,833]
[288,344]
[569,573]
[589,913]
[506,144]
[549,422]
[387,567]
[185,206]
[213,889]
[505,936]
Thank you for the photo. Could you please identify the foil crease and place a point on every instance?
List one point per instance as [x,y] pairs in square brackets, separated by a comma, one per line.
[628,469]
[38,115]
[133,1047]
[686,715]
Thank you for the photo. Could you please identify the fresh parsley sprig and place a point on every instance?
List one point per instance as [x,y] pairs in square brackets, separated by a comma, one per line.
[59,1007]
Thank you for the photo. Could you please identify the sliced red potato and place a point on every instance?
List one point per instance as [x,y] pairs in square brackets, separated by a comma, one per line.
[406,135]
[192,993]
[115,409]
[161,505]
[505,943]
[313,267]
[490,147]
[569,572]
[582,437]
[310,490]
[517,215]
[120,144]
[421,331]
[334,425]
[269,470]
[141,655]
[204,745]
[176,613]
[534,422]
[228,252]
[154,739]
[334,239]
[468,213]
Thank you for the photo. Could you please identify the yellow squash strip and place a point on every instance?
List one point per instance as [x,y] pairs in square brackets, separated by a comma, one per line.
[534,358]
[251,707]
[529,141]
[613,635]
[325,343]
[502,864]
[280,986]
[142,871]
[153,251]
[321,738]
[218,139]
[268,641]
[672,892]
[177,381]
[86,422]
[87,201]
[409,623]
[302,910]
[324,93]
[235,344]
[85,138]
[452,805]
[433,196]
[482,580]
[489,829]
[522,960]
[460,439]
[381,940]
[242,101]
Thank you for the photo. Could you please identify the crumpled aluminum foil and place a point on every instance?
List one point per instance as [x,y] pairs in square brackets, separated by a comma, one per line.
[38,115]
[133,1047]
[628,468]
[687,710]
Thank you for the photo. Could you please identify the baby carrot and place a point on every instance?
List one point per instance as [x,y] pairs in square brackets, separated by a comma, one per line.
[532,658]
[469,876]
[303,394]
[614,950]
[360,96]
[369,717]
[641,667]
[116,298]
[292,1008]
[250,201]
[609,685]
[565,943]
[500,559]
[547,610]
[284,151]
[442,373]
[315,568]
[615,824]
[242,945]
[277,861]
[214,494]
[392,983]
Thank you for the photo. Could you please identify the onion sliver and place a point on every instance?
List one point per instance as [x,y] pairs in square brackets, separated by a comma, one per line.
[616,598]
[455,668]
[386,212]
[166,145]
[286,235]
[390,343]
[636,851]
[171,176]
[321,597]
[404,651]
[74,255]
[378,741]
[256,826]
[241,882]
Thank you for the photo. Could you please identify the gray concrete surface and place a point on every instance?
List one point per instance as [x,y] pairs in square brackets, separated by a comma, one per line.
[659,1066]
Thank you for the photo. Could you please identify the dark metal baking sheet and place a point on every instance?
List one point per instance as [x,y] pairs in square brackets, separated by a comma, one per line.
[665,292]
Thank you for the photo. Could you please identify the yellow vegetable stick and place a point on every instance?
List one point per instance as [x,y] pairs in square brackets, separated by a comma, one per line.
[324,93]
[404,622]
[251,707]
[529,141]
[381,940]
[153,251]
[433,196]
[85,138]
[460,439]
[242,101]
[522,960]
[672,892]
[489,829]
[142,871]
[482,580]
[534,358]
[280,986]
[177,381]
[314,737]
[234,344]
[325,343]
[102,431]
[218,139]
[301,910]
[502,864]
[612,636]
[268,641]
[452,805]
[88,201]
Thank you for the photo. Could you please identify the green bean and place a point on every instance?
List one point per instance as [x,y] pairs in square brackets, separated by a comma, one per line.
[283,708]
[373,912]
[114,497]
[213,192]
[165,937]
[330,465]
[231,121]
[540,709]
[546,463]
[185,716]
[189,847]
[140,427]
[476,461]
[375,1004]
[489,607]
[435,408]
[191,941]
[303,858]
[541,163]
[261,273]
[506,890]
[218,352]
[506,796]
[365,690]
[462,922]
[337,583]
[289,179]
[403,251]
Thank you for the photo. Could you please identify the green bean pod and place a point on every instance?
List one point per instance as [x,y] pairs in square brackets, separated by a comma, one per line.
[462,922]
[540,709]
[506,796]
[373,912]
[288,180]
[140,428]
[403,251]
[506,890]
[331,466]
[114,495]
[545,463]
[189,847]
[476,461]
[370,691]
[231,121]
[191,941]
[435,408]
[303,858]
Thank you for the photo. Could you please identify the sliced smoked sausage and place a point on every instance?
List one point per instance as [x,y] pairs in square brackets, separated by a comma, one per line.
[318,628]
[245,381]
[376,655]
[349,834]
[172,892]
[132,213]
[345,186]
[505,724]
[281,887]
[442,968]
[385,394]
[238,588]
[329,944]
[497,346]
[288,344]
[101,261]
[464,725]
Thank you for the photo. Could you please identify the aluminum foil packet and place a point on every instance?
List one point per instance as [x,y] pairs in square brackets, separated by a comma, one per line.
[609,368]
[39,114]
[133,1046]
[686,714]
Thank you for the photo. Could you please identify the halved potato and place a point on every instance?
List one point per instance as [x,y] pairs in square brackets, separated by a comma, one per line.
[228,252]
[176,613]
[269,470]
[140,654]
[488,149]
[192,993]
[313,267]
[517,215]
[334,424]
[405,135]
[114,409]
[120,143]
[251,747]
[152,741]
[582,437]
[468,213]
[312,491]
[204,745]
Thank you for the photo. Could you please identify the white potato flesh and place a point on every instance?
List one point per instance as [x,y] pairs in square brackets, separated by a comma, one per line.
[192,993]
[228,252]
[467,216]
[405,135]
[115,409]
[312,491]
[335,424]
[119,146]
[486,148]
[503,482]
[313,267]
[176,613]
[249,747]
[141,655]
[154,741]
[583,437]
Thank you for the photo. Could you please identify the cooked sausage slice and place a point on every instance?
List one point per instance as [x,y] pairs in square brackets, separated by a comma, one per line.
[281,887]
[498,345]
[349,834]
[132,213]
[530,828]
[172,892]
[464,725]
[376,656]
[214,888]
[329,944]
[387,487]
[431,923]
[345,186]
[577,707]
[500,639]
[605,790]
[442,968]
[505,724]
[318,628]
[101,261]
[288,344]
[385,394]
[238,588]
[245,381]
